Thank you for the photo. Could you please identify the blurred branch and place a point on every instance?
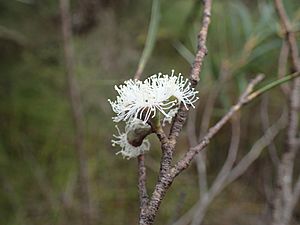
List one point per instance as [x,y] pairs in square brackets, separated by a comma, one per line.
[222,175]
[231,157]
[201,158]
[265,120]
[77,114]
[12,35]
[178,207]
[284,200]
[282,66]
[289,34]
[257,148]
[228,173]
[151,38]
[296,193]
[205,122]
[42,181]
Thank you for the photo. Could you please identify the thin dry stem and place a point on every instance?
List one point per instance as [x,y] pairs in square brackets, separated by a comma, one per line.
[186,160]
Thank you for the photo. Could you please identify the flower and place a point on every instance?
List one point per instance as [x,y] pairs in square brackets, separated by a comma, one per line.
[141,99]
[137,100]
[174,86]
[127,150]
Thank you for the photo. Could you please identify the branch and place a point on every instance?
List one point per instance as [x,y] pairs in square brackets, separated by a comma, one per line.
[12,35]
[78,118]
[186,160]
[283,203]
[282,66]
[200,159]
[222,175]
[165,178]
[205,122]
[142,183]
[227,175]
[290,36]
[265,120]
[195,70]
[231,157]
[257,148]
[295,93]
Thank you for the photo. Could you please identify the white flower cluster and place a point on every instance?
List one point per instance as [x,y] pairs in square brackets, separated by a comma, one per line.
[142,100]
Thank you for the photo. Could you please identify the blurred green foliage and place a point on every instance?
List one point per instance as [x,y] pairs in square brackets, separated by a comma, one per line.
[37,162]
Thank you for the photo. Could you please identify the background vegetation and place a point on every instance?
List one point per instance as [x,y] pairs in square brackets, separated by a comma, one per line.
[38,166]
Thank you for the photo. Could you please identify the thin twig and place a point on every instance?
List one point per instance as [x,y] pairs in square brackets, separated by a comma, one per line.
[186,160]
[256,149]
[197,212]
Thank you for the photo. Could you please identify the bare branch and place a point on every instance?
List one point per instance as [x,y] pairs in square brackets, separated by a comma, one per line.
[222,175]
[186,160]
[227,175]
[257,148]
[78,118]
[205,122]
[198,210]
[265,120]
[290,36]
[282,66]
[142,183]
[231,157]
[188,216]
[201,158]
[284,199]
